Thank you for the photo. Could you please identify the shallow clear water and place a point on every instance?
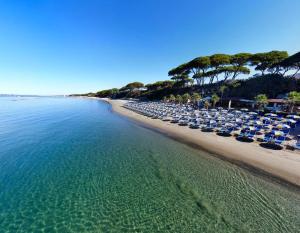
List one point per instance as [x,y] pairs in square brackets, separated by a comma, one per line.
[71,165]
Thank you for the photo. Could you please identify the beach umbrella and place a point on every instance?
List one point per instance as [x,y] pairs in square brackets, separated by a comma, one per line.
[283,126]
[228,125]
[239,120]
[245,116]
[251,128]
[291,121]
[277,133]
[213,110]
[244,109]
[252,113]
[266,118]
[295,117]
[237,112]
[258,122]
[271,114]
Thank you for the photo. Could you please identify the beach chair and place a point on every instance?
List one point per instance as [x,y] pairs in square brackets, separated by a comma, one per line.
[268,138]
[279,140]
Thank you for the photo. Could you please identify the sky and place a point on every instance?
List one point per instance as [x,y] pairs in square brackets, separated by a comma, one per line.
[77,46]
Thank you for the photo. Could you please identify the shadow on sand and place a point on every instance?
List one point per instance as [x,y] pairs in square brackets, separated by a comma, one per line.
[271,146]
[224,134]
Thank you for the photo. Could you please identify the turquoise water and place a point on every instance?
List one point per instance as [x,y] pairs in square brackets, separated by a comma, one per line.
[71,165]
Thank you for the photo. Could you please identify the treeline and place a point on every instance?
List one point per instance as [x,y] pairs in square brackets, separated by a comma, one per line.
[224,67]
[219,73]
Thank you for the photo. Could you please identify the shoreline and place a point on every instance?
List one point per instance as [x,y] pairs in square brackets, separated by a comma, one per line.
[279,165]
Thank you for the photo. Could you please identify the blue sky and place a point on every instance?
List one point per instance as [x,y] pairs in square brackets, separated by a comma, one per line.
[77,46]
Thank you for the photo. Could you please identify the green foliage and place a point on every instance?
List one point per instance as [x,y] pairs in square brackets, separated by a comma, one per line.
[265,61]
[195,97]
[206,104]
[215,99]
[292,62]
[218,60]
[110,93]
[293,98]
[271,85]
[224,69]
[160,85]
[223,88]
[172,98]
[186,97]
[134,85]
[181,80]
[240,59]
[261,100]
[179,99]
[178,70]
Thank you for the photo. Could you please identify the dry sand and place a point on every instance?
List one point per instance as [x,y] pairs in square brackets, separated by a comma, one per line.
[281,164]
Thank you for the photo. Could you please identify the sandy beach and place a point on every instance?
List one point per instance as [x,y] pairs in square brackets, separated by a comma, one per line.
[281,164]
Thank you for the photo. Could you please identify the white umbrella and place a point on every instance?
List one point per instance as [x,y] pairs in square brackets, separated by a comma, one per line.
[266,118]
[293,116]
[290,121]
[258,122]
[271,114]
[252,113]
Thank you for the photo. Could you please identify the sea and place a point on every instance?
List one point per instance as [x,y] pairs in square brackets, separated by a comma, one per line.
[74,165]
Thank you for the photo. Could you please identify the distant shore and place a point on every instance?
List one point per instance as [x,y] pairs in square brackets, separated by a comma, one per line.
[281,164]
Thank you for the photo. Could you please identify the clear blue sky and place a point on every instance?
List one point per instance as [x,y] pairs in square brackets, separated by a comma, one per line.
[77,46]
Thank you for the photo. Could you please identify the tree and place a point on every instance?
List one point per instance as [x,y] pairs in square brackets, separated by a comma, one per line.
[266,61]
[160,85]
[215,99]
[172,98]
[222,90]
[227,71]
[165,99]
[293,99]
[198,67]
[186,97]
[261,100]
[179,99]
[217,61]
[239,61]
[181,80]
[195,97]
[134,85]
[178,70]
[292,62]
[206,104]
[110,93]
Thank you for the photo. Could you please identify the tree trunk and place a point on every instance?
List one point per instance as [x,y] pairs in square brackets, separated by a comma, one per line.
[293,76]
[292,108]
[222,98]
